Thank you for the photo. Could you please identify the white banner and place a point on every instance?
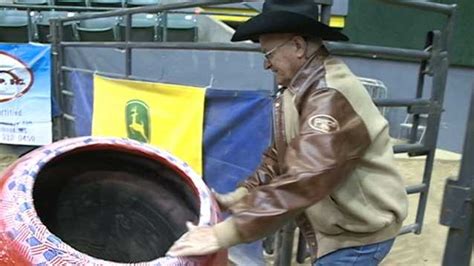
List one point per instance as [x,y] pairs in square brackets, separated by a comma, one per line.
[25,94]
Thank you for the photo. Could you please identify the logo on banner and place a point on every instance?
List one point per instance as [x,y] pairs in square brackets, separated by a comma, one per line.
[138,121]
[16,78]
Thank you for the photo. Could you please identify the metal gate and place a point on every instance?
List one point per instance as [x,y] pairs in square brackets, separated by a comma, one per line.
[458,204]
[433,62]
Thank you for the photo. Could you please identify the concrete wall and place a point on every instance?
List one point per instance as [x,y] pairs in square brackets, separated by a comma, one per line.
[217,69]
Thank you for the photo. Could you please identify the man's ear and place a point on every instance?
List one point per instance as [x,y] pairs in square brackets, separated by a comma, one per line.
[301,46]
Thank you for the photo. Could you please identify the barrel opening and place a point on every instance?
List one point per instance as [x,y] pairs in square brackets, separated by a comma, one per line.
[113,204]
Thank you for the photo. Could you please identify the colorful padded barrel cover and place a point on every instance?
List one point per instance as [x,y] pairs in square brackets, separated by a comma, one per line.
[24,240]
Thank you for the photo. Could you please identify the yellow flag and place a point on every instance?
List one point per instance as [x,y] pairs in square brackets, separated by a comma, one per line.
[167,116]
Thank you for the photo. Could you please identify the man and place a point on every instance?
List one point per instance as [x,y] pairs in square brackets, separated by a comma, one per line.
[331,165]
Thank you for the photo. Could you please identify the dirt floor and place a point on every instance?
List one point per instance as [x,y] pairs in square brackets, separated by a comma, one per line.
[428,247]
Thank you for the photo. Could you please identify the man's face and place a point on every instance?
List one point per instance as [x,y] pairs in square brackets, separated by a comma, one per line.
[280,53]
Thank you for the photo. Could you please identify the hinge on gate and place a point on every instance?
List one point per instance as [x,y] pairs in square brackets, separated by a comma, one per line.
[456,209]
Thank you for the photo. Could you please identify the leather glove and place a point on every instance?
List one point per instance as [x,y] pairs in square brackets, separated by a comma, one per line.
[227,200]
[196,242]
[203,240]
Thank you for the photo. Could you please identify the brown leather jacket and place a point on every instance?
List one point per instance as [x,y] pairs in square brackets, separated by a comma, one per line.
[330,167]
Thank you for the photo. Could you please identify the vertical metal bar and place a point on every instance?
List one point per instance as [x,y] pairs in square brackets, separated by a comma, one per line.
[156,27]
[277,245]
[459,244]
[439,64]
[301,252]
[164,33]
[448,29]
[325,14]
[58,125]
[286,249]
[466,172]
[460,210]
[128,51]
[420,213]
[30,25]
[419,88]
[195,38]
[68,125]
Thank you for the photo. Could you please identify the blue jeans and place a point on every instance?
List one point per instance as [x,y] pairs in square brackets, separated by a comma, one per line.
[358,256]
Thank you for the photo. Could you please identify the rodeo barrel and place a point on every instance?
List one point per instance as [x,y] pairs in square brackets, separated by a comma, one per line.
[100,201]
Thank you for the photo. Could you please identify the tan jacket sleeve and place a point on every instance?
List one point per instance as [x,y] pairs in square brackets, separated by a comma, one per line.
[265,172]
[332,140]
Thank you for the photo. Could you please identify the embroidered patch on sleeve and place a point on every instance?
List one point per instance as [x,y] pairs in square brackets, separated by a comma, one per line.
[323,123]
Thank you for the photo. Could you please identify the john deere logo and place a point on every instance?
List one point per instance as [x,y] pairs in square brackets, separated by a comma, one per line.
[138,121]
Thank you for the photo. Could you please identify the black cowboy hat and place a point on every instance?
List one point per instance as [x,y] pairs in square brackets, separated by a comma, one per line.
[287,16]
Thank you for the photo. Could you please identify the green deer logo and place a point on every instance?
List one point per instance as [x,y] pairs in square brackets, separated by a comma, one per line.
[138,120]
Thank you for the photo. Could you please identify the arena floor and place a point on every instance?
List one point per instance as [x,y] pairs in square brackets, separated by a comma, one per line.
[428,247]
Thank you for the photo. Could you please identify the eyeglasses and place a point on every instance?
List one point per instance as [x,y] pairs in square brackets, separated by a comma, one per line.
[268,55]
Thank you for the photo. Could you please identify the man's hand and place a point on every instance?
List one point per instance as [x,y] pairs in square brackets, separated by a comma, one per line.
[227,200]
[196,242]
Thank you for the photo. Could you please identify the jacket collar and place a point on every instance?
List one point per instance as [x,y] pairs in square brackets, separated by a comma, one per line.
[301,77]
